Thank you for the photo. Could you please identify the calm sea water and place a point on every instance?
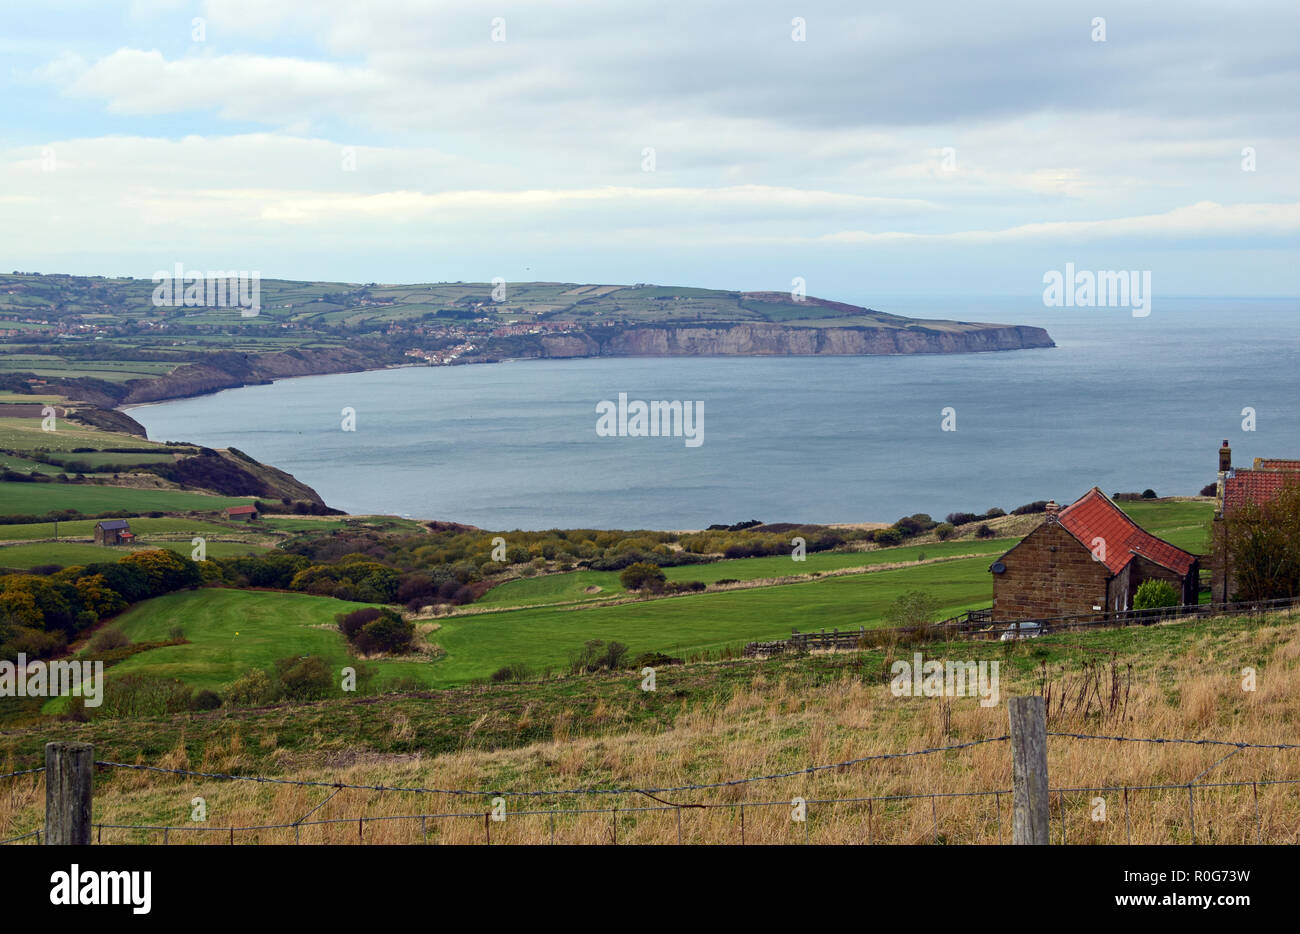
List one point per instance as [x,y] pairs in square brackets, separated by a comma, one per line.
[1120,403]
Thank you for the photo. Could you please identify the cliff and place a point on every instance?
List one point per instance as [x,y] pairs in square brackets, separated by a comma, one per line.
[775,339]
[231,370]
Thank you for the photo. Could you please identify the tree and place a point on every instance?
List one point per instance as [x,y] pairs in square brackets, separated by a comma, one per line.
[164,570]
[1260,544]
[1154,593]
[642,576]
[911,610]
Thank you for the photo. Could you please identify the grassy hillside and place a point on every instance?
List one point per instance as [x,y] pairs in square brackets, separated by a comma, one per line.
[232,631]
[720,722]
[540,622]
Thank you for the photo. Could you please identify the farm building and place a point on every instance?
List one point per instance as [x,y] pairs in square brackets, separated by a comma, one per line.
[1083,559]
[242,513]
[1236,488]
[113,532]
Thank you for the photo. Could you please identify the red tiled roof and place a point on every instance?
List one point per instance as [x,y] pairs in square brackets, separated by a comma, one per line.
[241,510]
[1277,463]
[1094,516]
[1254,486]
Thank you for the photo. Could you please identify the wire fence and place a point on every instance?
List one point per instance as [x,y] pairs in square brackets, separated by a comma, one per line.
[977,625]
[738,817]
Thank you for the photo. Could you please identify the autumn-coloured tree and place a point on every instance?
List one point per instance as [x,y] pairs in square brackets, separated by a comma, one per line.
[1261,545]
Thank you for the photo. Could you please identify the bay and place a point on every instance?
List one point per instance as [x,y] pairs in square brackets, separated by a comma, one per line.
[1122,403]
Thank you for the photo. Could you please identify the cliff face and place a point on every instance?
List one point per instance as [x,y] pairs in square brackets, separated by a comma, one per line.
[775,339]
[229,370]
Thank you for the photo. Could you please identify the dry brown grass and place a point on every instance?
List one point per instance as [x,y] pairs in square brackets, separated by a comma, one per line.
[771,727]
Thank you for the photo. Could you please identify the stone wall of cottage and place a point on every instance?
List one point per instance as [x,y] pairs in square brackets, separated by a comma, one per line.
[1050,573]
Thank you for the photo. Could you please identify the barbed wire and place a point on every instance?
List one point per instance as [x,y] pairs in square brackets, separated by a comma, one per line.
[30,833]
[739,806]
[22,772]
[1191,742]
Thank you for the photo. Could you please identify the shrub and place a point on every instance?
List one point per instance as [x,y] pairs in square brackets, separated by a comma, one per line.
[888,537]
[1154,593]
[252,689]
[386,634]
[142,696]
[1210,489]
[176,634]
[106,640]
[643,576]
[1038,505]
[205,700]
[350,623]
[1148,494]
[516,671]
[302,679]
[944,531]
[984,531]
[596,655]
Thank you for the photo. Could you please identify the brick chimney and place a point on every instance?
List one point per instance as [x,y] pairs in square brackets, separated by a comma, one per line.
[1225,457]
[1051,509]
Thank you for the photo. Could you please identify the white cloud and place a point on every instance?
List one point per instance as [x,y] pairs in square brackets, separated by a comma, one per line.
[1206,218]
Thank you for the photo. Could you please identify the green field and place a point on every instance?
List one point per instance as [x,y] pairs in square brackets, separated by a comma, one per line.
[23,465]
[67,554]
[61,553]
[143,526]
[36,499]
[479,644]
[1185,524]
[572,587]
[233,631]
[26,434]
[560,616]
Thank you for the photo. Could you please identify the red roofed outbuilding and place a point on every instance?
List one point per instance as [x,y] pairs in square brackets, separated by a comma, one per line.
[1087,558]
[242,513]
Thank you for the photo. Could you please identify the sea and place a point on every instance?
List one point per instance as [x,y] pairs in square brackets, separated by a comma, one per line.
[1123,403]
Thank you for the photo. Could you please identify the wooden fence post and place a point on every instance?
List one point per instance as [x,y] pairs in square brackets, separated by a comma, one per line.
[69,769]
[1030,819]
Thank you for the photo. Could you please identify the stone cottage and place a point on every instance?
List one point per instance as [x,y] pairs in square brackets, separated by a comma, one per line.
[1086,558]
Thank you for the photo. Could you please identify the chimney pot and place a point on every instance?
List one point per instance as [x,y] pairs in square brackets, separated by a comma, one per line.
[1225,457]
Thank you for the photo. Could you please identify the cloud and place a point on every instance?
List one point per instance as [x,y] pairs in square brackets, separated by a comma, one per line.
[1204,219]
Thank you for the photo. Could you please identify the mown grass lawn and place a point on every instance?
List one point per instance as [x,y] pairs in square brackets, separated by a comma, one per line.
[479,644]
[231,632]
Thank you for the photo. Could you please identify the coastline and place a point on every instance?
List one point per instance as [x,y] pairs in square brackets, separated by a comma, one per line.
[236,382]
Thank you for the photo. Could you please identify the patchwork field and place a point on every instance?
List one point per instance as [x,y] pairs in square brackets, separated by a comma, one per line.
[540,622]
[36,499]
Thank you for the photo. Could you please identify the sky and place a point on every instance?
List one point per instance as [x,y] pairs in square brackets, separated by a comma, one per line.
[922,147]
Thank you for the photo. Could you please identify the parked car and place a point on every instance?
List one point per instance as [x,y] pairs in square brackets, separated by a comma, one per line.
[1030,629]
